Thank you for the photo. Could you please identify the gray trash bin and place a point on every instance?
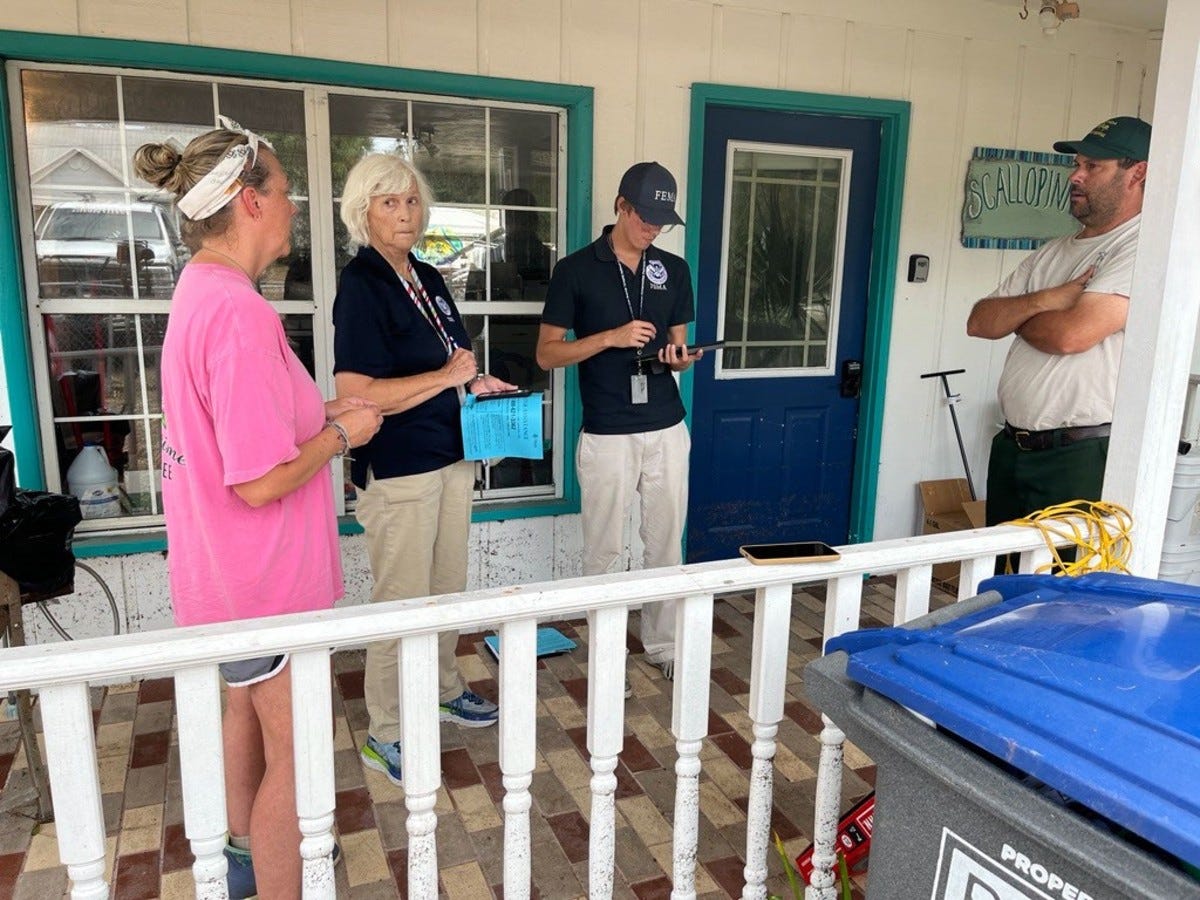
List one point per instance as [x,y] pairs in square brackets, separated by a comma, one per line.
[1088,687]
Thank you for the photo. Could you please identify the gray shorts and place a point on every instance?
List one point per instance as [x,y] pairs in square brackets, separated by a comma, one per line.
[245,672]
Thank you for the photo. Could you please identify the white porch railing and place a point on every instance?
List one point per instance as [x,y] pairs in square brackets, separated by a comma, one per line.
[61,674]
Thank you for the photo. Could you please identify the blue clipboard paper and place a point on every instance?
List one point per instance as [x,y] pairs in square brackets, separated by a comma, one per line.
[1090,684]
[550,641]
[507,426]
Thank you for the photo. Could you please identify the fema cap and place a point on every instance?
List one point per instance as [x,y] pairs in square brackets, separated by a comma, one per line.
[651,190]
[1122,137]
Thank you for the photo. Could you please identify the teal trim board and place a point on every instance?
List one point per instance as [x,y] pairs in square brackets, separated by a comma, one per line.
[14,330]
[577,100]
[893,117]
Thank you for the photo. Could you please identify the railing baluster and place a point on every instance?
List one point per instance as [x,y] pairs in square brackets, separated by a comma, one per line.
[689,724]
[843,605]
[312,722]
[828,811]
[973,571]
[75,781]
[518,748]
[768,677]
[912,593]
[605,738]
[202,770]
[1032,559]
[421,740]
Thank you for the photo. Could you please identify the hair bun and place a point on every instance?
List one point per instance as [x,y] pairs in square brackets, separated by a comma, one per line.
[157,164]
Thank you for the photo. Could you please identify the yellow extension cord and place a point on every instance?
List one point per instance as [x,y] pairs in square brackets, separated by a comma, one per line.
[1098,531]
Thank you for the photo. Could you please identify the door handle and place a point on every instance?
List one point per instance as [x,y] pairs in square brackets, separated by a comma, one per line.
[851,385]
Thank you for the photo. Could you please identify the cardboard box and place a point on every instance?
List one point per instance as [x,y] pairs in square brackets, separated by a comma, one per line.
[948,506]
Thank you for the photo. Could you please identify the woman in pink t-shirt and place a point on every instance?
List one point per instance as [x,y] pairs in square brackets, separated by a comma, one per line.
[247,441]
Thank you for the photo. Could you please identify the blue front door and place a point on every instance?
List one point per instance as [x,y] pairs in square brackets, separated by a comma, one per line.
[787,214]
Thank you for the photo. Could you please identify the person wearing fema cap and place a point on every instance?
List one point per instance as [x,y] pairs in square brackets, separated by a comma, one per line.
[629,304]
[1065,307]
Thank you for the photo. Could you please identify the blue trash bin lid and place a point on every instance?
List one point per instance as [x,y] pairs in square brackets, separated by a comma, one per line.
[1091,685]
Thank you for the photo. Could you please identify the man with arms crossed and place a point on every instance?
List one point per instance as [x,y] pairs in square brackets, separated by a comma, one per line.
[1067,304]
[629,304]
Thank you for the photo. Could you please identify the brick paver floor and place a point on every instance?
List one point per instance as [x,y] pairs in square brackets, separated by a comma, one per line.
[149,856]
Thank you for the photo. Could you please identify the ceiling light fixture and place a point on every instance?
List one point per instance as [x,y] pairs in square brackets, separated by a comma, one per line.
[1052,14]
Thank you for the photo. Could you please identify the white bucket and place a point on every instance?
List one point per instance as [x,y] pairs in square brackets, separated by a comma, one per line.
[1182,565]
[94,482]
[1185,486]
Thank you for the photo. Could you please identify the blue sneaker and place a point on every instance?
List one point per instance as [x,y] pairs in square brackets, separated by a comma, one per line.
[240,876]
[470,711]
[383,758]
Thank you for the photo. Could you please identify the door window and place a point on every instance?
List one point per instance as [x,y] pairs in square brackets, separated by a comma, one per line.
[785,210]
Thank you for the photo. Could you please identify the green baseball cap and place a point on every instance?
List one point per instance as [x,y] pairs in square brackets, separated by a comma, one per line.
[1122,137]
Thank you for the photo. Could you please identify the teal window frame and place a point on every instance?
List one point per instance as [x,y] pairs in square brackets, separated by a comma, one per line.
[577,100]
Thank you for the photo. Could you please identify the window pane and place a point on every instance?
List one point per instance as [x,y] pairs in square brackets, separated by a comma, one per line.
[294,271]
[510,344]
[83,248]
[299,332]
[524,158]
[94,364]
[523,256]
[99,382]
[278,115]
[459,243]
[449,148]
[164,110]
[782,258]
[510,350]
[359,125]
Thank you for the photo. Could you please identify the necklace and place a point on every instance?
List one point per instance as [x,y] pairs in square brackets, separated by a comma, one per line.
[237,265]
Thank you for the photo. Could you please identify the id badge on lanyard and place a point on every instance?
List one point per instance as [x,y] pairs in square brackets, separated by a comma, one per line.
[639,389]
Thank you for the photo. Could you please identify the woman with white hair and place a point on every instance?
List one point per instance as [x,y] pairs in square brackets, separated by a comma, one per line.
[399,341]
[246,446]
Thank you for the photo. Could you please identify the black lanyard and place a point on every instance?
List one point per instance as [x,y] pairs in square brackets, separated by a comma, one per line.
[641,289]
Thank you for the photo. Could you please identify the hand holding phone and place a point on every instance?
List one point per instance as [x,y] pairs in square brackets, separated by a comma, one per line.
[788,553]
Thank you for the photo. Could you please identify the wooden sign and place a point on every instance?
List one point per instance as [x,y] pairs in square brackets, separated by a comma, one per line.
[1016,199]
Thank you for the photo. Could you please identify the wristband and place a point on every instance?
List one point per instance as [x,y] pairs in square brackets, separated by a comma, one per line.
[341,433]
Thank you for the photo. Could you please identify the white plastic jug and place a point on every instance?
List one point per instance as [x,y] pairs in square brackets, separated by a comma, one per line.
[94,482]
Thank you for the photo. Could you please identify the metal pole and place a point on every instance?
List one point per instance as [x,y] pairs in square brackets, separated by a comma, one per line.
[951,399]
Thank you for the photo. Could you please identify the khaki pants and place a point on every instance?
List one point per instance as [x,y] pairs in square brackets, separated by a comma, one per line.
[612,468]
[416,529]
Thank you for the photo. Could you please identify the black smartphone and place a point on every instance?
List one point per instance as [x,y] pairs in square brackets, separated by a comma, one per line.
[651,356]
[502,395]
[714,345]
[791,552]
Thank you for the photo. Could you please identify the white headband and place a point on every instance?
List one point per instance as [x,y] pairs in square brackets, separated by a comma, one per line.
[223,181]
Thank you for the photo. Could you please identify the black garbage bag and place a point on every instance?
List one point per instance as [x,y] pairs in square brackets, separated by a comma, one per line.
[35,542]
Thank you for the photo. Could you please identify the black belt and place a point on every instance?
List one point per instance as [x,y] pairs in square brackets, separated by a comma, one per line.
[1055,437]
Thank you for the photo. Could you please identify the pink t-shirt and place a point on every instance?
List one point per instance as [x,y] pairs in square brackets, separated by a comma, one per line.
[236,403]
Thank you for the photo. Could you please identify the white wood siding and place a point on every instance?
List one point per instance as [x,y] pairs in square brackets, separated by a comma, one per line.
[974,73]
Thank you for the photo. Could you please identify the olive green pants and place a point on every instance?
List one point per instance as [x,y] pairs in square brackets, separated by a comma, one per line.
[1020,482]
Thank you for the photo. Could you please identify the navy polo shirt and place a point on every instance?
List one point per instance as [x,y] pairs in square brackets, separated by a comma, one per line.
[379,332]
[585,296]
